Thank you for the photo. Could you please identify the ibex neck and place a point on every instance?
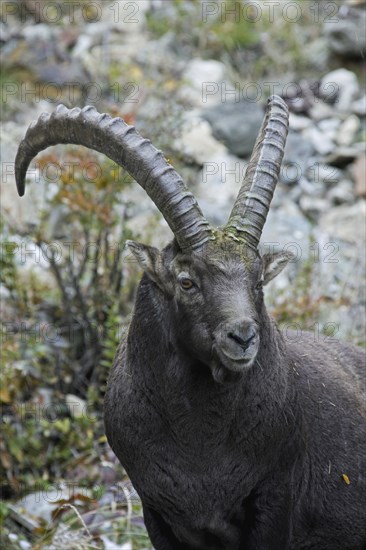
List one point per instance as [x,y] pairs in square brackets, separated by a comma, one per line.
[183,386]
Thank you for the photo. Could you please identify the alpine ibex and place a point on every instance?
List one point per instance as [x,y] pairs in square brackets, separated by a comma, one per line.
[234,438]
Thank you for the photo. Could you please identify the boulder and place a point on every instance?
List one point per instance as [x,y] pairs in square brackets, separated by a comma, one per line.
[236,124]
[346,32]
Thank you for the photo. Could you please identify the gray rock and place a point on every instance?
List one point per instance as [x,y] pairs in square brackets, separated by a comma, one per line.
[218,184]
[320,141]
[197,141]
[313,206]
[298,151]
[42,32]
[236,124]
[317,51]
[76,405]
[291,173]
[298,123]
[42,503]
[341,269]
[323,173]
[348,130]
[329,127]
[358,169]
[287,226]
[5,32]
[158,55]
[343,224]
[321,110]
[342,193]
[82,46]
[64,537]
[111,545]
[347,33]
[341,88]
[4,292]
[61,74]
[359,106]
[313,187]
[205,82]
[341,156]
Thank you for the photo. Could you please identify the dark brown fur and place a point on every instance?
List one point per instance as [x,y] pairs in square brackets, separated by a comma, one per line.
[253,461]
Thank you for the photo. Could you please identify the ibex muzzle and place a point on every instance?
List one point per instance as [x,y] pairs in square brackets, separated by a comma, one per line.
[238,343]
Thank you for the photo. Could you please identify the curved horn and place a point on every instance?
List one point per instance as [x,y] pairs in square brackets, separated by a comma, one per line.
[124,145]
[251,207]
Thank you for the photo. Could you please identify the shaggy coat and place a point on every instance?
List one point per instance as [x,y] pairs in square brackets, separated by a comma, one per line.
[237,437]
[270,459]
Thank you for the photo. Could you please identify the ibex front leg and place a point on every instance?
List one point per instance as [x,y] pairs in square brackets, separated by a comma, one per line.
[160,532]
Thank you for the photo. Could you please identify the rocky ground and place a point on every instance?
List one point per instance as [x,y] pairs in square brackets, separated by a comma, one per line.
[169,68]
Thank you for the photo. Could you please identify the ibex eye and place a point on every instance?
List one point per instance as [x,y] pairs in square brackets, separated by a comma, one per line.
[186,283]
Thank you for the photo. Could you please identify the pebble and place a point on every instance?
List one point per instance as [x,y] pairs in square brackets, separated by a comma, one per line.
[324,173]
[343,223]
[329,127]
[312,187]
[76,405]
[359,175]
[341,156]
[285,225]
[342,193]
[82,46]
[340,87]
[298,123]
[359,106]
[198,143]
[41,504]
[321,110]
[5,33]
[236,124]
[41,32]
[322,143]
[206,82]
[312,206]
[340,270]
[346,32]
[217,186]
[348,130]
[298,152]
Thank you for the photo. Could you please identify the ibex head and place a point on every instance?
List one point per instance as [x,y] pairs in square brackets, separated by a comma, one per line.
[212,277]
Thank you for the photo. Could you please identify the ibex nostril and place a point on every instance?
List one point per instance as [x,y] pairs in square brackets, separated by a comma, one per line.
[242,341]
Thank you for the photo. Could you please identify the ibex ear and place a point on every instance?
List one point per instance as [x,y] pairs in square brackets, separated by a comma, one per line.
[149,259]
[273,264]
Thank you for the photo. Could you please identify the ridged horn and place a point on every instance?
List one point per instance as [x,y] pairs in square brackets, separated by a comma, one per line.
[125,146]
[251,207]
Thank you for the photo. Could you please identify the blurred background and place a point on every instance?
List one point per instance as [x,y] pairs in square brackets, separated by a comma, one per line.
[194,77]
